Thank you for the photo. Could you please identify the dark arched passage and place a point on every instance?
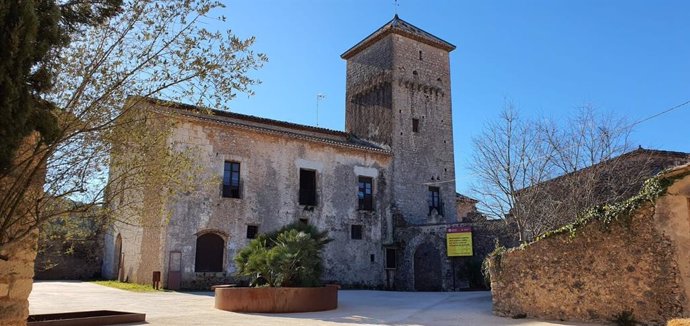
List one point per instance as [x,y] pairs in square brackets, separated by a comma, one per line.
[427,268]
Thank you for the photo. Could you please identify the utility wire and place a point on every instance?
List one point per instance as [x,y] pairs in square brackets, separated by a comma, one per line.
[660,113]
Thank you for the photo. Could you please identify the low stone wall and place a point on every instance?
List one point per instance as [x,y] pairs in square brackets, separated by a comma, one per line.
[276,300]
[593,276]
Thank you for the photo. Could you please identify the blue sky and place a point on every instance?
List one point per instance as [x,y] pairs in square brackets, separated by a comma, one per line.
[628,58]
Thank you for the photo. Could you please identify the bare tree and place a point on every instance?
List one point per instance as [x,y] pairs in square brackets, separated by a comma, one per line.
[153,48]
[539,174]
[509,155]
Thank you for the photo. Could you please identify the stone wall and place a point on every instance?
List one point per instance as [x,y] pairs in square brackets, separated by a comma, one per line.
[641,266]
[16,279]
[17,256]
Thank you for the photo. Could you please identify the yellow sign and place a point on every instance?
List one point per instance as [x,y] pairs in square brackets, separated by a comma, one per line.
[459,242]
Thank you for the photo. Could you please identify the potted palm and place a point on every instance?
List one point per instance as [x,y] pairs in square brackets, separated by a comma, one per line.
[286,268]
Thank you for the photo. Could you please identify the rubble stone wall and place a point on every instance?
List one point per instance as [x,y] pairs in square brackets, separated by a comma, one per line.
[596,274]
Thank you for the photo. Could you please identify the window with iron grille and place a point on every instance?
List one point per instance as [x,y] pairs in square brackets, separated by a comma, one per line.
[231,180]
[356,232]
[307,187]
[252,231]
[364,194]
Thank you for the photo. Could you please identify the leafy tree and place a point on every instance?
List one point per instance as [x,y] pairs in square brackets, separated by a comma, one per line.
[290,256]
[179,50]
[34,32]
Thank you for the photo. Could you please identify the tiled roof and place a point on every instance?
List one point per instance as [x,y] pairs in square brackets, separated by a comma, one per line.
[260,124]
[461,197]
[401,27]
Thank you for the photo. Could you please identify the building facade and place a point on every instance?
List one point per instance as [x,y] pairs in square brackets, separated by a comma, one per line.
[384,188]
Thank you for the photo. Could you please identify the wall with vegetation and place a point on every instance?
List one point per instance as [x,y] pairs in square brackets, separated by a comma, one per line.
[618,261]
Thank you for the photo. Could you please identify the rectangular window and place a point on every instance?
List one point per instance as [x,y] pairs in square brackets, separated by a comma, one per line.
[415,125]
[356,232]
[252,231]
[434,200]
[231,180]
[307,187]
[390,258]
[364,194]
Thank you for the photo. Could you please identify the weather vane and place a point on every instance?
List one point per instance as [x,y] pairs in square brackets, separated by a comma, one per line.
[395,6]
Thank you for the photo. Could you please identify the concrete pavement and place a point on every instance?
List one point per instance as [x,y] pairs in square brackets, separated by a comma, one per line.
[354,307]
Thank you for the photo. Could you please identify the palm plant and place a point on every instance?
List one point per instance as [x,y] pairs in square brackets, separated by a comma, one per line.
[290,256]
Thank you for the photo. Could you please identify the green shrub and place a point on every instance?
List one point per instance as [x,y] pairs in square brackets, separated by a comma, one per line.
[290,256]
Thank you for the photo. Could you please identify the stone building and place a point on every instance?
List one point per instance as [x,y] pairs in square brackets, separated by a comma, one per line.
[384,188]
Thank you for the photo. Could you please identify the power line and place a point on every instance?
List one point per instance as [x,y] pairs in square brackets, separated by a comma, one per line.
[660,113]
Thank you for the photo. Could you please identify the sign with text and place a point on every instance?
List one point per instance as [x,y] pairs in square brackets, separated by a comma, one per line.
[459,241]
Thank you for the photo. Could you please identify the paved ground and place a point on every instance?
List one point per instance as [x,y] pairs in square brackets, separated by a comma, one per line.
[354,307]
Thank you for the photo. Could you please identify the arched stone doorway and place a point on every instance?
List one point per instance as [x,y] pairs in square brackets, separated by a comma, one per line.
[210,249]
[427,268]
[117,257]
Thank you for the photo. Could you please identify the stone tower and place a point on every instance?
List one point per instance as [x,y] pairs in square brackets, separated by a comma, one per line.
[398,95]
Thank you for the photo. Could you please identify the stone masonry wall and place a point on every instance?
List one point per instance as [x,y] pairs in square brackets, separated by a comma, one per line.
[17,262]
[16,278]
[592,276]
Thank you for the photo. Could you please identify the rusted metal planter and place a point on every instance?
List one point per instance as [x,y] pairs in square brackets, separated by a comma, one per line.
[276,300]
[86,318]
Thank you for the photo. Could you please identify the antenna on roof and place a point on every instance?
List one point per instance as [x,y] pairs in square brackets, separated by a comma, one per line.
[319,97]
[395,7]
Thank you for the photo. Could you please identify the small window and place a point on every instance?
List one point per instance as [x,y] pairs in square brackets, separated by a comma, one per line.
[364,194]
[415,125]
[420,55]
[307,187]
[304,221]
[372,258]
[434,199]
[231,180]
[390,258]
[252,231]
[356,232]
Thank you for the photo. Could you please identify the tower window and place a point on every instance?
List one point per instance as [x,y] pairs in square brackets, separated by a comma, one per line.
[307,187]
[356,232]
[415,125]
[420,55]
[364,194]
[231,180]
[434,200]
[252,231]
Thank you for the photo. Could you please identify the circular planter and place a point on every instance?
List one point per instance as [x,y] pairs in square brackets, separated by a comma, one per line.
[276,300]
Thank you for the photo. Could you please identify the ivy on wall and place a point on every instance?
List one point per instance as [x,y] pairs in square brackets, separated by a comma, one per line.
[607,214]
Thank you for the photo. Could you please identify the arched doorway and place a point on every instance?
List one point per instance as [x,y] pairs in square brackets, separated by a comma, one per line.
[427,268]
[117,258]
[210,248]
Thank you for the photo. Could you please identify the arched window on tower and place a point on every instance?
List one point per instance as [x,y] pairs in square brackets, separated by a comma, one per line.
[209,253]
